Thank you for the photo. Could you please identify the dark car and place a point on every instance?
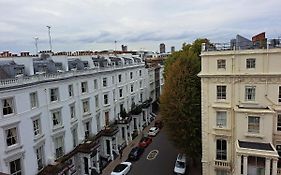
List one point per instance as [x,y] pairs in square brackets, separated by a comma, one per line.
[135,153]
[145,141]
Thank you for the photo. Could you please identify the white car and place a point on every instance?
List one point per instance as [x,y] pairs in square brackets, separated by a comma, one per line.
[122,168]
[153,131]
[180,165]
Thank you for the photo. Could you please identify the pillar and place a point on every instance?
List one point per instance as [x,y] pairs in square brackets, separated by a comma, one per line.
[111,151]
[238,168]
[126,134]
[274,166]
[245,165]
[267,165]
[98,162]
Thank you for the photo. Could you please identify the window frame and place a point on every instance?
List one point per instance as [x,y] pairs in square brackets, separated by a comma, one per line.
[120,78]
[106,100]
[16,137]
[84,87]
[58,147]
[221,153]
[87,103]
[104,82]
[59,119]
[16,171]
[251,63]
[33,100]
[250,93]
[37,130]
[40,157]
[11,106]
[70,90]
[221,64]
[221,120]
[253,126]
[221,92]
[54,94]
[279,122]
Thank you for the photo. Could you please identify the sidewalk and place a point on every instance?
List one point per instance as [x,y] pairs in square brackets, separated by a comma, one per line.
[126,151]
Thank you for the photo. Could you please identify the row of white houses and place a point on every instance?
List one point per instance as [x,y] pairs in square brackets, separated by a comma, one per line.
[62,114]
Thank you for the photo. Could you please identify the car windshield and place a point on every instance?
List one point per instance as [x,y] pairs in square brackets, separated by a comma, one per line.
[119,168]
[180,164]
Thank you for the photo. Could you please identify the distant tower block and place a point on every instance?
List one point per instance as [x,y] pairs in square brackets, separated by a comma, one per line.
[124,48]
[162,48]
[172,49]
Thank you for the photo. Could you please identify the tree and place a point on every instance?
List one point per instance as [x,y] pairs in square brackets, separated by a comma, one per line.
[180,102]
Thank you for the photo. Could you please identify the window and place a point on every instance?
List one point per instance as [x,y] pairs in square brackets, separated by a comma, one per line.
[221,64]
[11,136]
[141,97]
[221,92]
[140,73]
[221,149]
[8,106]
[56,118]
[33,100]
[279,97]
[97,101]
[105,99]
[250,63]
[36,127]
[131,75]
[15,167]
[250,93]
[221,119]
[140,83]
[104,82]
[95,84]
[87,129]
[120,92]
[86,106]
[59,146]
[253,124]
[119,78]
[70,90]
[132,87]
[113,80]
[40,157]
[74,137]
[72,111]
[113,92]
[54,94]
[279,122]
[84,87]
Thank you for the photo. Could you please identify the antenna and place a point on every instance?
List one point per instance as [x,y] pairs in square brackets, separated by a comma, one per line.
[36,44]
[50,39]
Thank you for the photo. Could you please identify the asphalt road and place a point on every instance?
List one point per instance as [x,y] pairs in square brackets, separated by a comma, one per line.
[164,161]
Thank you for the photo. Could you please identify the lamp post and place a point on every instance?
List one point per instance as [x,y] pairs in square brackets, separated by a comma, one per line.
[50,39]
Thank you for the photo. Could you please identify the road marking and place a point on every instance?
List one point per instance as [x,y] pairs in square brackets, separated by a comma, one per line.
[152,154]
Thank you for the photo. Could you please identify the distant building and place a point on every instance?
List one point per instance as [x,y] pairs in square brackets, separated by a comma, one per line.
[162,48]
[241,107]
[172,49]
[124,48]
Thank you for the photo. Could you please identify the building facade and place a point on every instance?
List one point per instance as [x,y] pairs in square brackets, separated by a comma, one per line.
[68,113]
[241,109]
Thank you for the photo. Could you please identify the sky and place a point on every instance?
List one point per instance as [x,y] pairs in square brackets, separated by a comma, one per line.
[139,24]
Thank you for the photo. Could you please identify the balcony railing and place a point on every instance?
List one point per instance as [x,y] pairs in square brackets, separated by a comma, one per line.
[222,164]
[55,76]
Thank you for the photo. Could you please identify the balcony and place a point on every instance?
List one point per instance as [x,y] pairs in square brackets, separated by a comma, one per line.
[221,164]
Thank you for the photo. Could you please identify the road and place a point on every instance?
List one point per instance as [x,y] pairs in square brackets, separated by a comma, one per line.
[164,162]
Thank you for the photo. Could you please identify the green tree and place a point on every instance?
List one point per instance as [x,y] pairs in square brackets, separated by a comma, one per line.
[180,102]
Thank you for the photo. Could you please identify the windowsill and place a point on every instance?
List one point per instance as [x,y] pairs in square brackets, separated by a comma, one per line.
[58,128]
[221,69]
[106,105]
[35,107]
[255,135]
[9,115]
[36,138]
[13,147]
[54,101]
[86,114]
[250,102]
[74,120]
[221,101]
[221,128]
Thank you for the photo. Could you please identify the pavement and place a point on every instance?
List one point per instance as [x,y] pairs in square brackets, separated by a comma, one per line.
[126,151]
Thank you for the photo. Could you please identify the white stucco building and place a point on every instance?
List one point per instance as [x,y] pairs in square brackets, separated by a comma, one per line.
[60,113]
[241,108]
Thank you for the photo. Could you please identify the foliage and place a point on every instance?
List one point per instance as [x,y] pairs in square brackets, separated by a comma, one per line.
[123,113]
[136,109]
[181,99]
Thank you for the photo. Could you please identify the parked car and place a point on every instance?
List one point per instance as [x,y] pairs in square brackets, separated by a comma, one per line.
[180,165]
[153,131]
[158,124]
[122,168]
[145,141]
[135,153]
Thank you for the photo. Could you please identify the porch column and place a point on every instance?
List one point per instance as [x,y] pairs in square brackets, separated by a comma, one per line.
[116,143]
[130,131]
[89,164]
[111,150]
[267,165]
[245,165]
[126,134]
[138,124]
[274,166]
[98,162]
[238,168]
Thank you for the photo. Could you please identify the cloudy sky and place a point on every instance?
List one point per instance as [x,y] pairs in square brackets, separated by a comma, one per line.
[140,24]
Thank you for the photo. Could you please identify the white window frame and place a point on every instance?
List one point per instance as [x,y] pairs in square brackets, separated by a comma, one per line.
[279,95]
[72,111]
[104,82]
[56,116]
[221,119]
[40,156]
[120,78]
[84,87]
[18,171]
[250,63]
[221,64]
[132,88]
[140,83]
[121,92]
[250,93]
[33,100]
[70,90]
[59,146]
[97,101]
[74,137]
[254,124]
[221,153]
[140,73]
[96,86]
[37,131]
[279,122]
[131,75]
[105,99]
[6,104]
[14,131]
[86,106]
[54,94]
[221,92]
